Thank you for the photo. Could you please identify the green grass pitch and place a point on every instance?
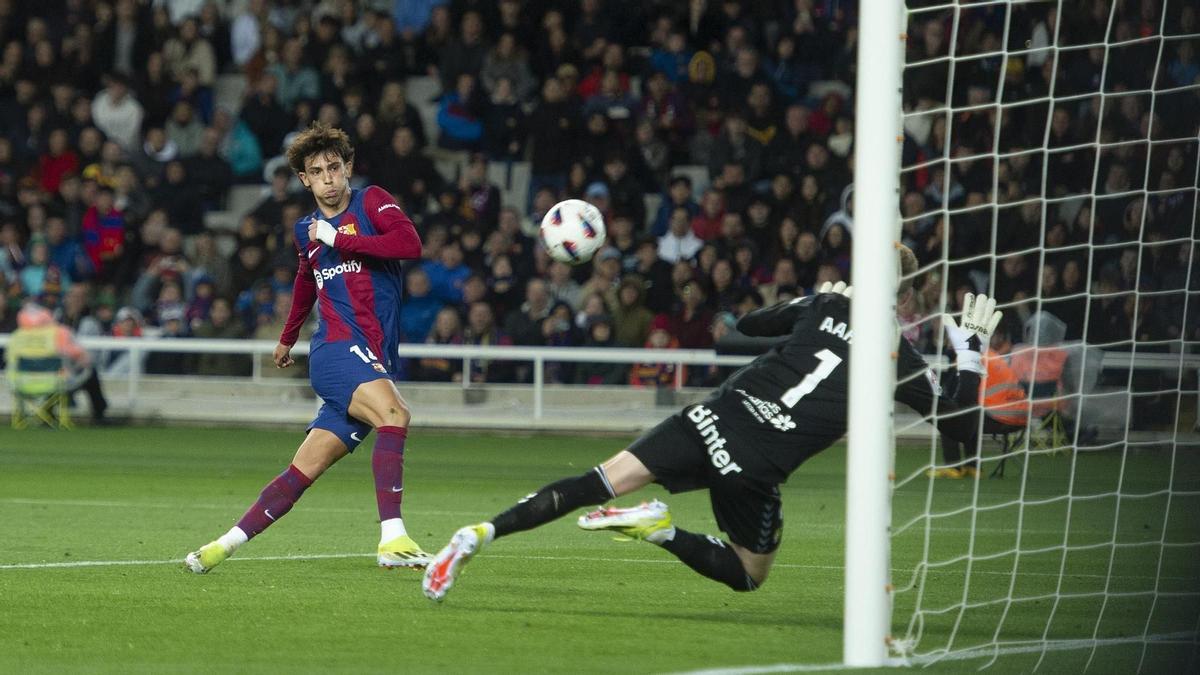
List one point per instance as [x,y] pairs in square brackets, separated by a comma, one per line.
[306,596]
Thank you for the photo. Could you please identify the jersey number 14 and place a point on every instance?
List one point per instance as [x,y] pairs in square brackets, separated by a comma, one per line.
[829,361]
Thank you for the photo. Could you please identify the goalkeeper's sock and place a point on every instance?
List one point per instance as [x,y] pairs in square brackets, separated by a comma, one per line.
[709,556]
[553,501]
[387,463]
[275,500]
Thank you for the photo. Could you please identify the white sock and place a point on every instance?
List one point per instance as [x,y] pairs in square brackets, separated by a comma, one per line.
[232,539]
[390,529]
[659,536]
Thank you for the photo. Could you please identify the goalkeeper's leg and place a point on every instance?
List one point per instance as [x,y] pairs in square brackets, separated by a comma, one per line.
[620,475]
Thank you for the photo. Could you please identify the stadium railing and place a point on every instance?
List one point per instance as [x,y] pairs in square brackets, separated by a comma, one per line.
[539,404]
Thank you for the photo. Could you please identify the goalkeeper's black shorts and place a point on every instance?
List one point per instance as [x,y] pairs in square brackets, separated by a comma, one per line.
[747,510]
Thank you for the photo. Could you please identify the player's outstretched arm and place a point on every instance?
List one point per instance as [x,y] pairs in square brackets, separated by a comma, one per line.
[973,331]
[958,412]
[397,238]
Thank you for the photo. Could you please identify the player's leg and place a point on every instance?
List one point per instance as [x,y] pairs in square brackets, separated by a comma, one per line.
[750,513]
[320,450]
[379,404]
[621,474]
[952,452]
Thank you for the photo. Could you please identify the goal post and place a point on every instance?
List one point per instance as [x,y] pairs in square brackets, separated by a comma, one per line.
[1046,153]
[868,606]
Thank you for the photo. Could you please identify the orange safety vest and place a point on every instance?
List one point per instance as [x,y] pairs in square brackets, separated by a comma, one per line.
[1003,397]
[1042,369]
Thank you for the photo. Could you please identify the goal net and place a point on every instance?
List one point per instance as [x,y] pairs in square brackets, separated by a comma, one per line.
[1050,160]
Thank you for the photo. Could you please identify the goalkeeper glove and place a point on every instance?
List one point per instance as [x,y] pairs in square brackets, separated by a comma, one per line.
[979,320]
[326,233]
[840,288]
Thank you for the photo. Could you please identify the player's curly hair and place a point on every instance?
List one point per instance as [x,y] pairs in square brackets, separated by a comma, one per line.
[319,139]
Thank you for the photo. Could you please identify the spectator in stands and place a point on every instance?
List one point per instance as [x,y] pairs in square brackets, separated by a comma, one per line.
[481,330]
[463,55]
[507,60]
[296,81]
[504,124]
[447,274]
[459,116]
[420,307]
[221,325]
[657,375]
[190,51]
[66,253]
[600,334]
[680,242]
[481,198]
[562,287]
[679,193]
[117,113]
[553,126]
[184,129]
[706,223]
[524,324]
[447,330]
[631,319]
[104,234]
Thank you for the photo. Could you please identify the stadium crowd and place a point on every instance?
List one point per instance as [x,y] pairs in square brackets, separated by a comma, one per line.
[115,146]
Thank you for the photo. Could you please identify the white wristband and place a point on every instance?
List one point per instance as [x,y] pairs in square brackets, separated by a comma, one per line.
[969,360]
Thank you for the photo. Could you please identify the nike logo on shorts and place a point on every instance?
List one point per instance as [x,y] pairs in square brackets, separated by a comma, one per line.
[355,437]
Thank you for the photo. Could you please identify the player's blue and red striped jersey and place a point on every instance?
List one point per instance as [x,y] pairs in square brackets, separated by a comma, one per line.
[358,282]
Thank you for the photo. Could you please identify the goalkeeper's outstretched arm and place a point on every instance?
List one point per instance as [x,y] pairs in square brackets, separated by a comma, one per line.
[958,411]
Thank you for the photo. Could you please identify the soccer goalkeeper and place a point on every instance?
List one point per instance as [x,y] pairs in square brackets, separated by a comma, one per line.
[744,440]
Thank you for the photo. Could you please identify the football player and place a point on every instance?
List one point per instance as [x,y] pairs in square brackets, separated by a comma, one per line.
[744,440]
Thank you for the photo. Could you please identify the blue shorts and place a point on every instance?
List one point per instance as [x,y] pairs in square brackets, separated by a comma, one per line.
[336,370]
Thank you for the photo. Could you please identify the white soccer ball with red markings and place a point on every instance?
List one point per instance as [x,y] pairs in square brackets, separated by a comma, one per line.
[572,231]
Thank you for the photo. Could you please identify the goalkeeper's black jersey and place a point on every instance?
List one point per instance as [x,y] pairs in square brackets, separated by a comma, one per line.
[790,403]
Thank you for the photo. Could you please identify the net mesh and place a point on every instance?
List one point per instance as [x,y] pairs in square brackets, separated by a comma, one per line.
[1050,160]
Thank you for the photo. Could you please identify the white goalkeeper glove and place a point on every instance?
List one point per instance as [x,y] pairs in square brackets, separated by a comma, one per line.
[840,288]
[324,232]
[979,321]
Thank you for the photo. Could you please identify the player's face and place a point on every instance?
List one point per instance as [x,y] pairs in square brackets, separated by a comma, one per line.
[328,177]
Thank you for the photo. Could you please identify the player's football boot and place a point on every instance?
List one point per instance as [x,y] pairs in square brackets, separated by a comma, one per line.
[637,522]
[209,556]
[449,562]
[945,472]
[402,552]
[969,472]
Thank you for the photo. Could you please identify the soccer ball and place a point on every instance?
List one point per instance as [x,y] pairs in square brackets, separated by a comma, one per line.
[572,231]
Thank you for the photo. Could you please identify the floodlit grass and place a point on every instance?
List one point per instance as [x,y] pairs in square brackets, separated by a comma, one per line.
[306,596]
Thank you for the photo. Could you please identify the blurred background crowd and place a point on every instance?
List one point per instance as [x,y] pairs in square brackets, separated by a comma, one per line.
[715,135]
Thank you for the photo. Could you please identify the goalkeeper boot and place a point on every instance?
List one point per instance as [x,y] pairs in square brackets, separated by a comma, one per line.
[638,522]
[449,562]
[402,552]
[209,556]
[969,471]
[945,472]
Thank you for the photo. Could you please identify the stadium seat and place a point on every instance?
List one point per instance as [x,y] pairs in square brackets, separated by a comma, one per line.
[38,386]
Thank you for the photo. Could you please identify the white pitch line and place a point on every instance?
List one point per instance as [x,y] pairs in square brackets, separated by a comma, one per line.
[98,503]
[502,556]
[965,655]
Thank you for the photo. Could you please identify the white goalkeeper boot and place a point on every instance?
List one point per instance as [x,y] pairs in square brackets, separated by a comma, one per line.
[442,572]
[639,522]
